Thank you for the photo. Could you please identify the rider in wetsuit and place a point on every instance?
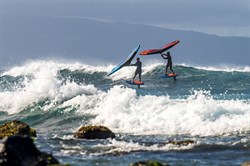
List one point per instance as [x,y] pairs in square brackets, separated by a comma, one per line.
[169,64]
[138,68]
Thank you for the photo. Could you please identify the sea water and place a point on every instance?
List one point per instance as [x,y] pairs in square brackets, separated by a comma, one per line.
[207,105]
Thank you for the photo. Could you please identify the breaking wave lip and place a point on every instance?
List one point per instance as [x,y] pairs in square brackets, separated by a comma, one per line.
[32,67]
[225,68]
[43,85]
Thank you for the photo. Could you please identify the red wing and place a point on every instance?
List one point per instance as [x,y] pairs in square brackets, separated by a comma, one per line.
[159,51]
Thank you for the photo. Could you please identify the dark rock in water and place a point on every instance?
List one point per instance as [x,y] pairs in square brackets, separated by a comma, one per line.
[149,163]
[20,151]
[181,143]
[94,132]
[247,163]
[16,128]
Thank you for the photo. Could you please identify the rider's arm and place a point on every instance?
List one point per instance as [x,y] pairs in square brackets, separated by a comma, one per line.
[164,56]
[135,64]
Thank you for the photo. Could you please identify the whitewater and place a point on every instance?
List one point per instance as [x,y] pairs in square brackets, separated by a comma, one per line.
[208,105]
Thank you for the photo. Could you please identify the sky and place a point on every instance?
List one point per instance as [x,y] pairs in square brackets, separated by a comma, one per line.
[220,17]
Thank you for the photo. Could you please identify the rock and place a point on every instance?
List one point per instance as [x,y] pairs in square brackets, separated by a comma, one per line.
[247,163]
[149,163]
[94,132]
[20,151]
[181,143]
[16,128]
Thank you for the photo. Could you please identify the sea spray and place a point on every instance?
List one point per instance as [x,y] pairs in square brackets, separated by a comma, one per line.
[40,83]
[198,115]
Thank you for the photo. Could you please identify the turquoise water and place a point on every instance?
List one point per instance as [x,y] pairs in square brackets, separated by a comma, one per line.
[209,105]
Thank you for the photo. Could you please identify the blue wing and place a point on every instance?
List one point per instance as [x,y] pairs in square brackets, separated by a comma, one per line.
[126,62]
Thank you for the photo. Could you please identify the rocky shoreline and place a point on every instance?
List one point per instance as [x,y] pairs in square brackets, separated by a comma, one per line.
[18,149]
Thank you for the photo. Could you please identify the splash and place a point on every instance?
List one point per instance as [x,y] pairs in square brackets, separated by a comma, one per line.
[40,83]
[200,114]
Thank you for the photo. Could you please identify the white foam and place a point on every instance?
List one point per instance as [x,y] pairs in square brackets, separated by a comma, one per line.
[117,146]
[43,85]
[33,67]
[123,111]
[226,68]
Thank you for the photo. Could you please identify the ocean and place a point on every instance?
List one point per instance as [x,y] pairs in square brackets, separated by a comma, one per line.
[208,105]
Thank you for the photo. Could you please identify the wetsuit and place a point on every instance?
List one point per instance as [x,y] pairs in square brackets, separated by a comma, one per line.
[169,64]
[138,69]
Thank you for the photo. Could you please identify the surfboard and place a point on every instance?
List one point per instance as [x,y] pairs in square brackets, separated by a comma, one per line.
[136,82]
[126,62]
[159,51]
[169,76]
